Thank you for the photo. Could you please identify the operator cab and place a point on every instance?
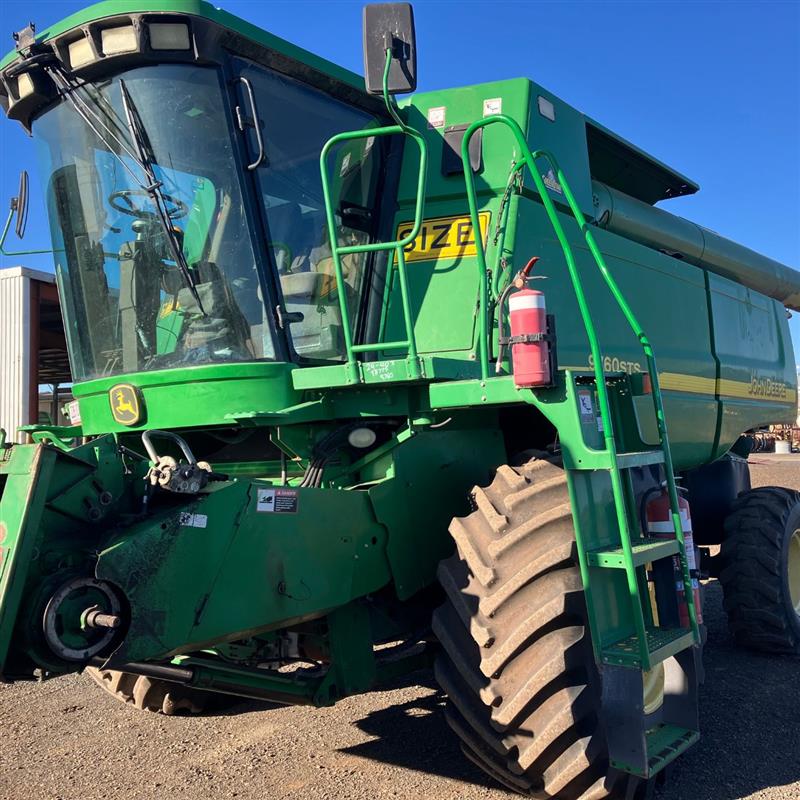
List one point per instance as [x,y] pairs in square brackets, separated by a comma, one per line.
[184,192]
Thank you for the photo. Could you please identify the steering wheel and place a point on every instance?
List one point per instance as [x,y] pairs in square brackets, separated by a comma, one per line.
[122,201]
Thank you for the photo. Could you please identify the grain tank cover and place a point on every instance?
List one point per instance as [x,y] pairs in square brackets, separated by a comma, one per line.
[623,166]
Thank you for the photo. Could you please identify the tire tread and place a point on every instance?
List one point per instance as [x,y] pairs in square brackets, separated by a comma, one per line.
[516,660]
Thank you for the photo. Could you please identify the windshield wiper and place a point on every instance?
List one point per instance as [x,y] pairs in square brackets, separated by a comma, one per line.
[153,188]
[69,87]
[142,157]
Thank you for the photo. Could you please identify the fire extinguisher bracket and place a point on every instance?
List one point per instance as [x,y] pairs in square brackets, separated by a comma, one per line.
[547,338]
[527,338]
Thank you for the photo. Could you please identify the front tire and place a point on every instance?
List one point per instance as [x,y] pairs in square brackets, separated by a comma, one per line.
[761,570]
[517,662]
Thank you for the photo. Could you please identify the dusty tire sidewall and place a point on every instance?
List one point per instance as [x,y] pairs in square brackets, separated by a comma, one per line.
[791,524]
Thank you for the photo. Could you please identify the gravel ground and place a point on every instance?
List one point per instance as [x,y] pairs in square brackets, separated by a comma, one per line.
[67,740]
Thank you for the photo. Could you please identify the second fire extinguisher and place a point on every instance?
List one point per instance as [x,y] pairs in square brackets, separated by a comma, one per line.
[658,514]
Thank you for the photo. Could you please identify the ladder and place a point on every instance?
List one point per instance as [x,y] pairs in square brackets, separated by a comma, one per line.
[648,644]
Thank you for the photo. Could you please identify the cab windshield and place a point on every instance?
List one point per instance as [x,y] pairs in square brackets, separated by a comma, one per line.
[128,307]
[154,239]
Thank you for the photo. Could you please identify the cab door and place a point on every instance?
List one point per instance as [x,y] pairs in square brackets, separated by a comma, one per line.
[286,123]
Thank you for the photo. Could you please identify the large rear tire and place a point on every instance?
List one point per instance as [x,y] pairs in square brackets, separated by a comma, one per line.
[149,694]
[517,662]
[760,574]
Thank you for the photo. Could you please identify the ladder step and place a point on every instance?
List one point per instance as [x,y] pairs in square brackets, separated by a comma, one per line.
[643,458]
[664,744]
[661,644]
[644,551]
[603,460]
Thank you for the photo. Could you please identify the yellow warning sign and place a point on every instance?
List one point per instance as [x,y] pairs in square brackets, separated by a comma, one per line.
[443,237]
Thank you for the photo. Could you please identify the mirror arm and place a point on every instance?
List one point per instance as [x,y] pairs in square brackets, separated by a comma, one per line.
[5,252]
[391,107]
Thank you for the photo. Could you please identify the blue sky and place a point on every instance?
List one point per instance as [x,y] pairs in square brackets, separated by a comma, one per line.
[711,88]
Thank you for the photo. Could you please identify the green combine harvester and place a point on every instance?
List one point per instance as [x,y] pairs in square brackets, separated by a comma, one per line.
[365,387]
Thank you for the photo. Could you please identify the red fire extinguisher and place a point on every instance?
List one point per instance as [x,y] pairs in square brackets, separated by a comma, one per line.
[529,340]
[658,514]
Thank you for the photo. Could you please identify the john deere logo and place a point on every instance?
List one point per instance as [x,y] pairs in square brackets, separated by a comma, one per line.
[125,404]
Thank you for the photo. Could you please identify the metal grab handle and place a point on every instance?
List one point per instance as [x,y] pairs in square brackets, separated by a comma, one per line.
[398,246]
[147,437]
[243,123]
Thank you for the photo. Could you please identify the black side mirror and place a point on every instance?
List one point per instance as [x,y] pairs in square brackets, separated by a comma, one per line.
[19,205]
[390,26]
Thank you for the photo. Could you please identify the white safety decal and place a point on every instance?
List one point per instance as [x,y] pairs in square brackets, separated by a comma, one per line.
[436,117]
[492,106]
[277,501]
[188,520]
[585,404]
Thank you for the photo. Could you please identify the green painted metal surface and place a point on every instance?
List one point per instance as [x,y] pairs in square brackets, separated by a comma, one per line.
[664,744]
[221,394]
[20,518]
[51,503]
[224,576]
[464,453]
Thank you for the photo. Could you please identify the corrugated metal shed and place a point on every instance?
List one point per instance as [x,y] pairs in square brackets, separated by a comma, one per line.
[32,346]
[15,334]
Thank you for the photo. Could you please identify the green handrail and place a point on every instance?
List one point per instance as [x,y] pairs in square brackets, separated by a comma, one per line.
[658,403]
[398,246]
[529,159]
